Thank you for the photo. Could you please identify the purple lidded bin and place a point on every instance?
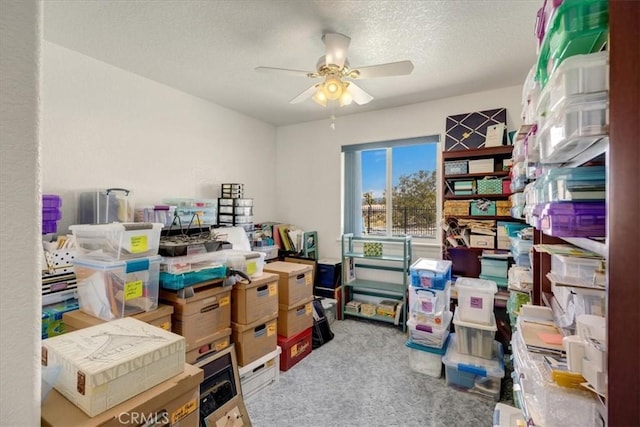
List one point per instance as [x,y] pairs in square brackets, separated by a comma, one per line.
[574,219]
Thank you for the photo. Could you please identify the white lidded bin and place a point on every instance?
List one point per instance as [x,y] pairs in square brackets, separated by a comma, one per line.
[507,416]
[426,360]
[475,299]
[117,241]
[110,290]
[427,334]
[473,338]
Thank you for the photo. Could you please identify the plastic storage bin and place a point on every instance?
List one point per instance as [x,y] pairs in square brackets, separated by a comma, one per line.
[474,374]
[425,360]
[429,335]
[574,219]
[575,124]
[430,273]
[494,267]
[249,262]
[577,75]
[105,206]
[111,290]
[475,300]
[117,241]
[574,269]
[178,272]
[577,27]
[429,306]
[473,338]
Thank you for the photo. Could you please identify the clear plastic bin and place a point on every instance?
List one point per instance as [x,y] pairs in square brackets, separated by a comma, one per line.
[475,300]
[577,122]
[570,184]
[425,360]
[430,273]
[111,290]
[117,241]
[473,338]
[428,334]
[235,202]
[237,210]
[579,74]
[574,269]
[181,271]
[474,374]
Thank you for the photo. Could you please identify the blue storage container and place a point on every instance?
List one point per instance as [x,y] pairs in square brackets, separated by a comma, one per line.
[329,273]
[474,374]
[430,273]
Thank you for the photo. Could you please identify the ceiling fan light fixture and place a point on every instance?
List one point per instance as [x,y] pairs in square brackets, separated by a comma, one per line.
[333,88]
[319,97]
[346,98]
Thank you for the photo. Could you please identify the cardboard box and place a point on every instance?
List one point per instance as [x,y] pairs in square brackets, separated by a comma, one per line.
[255,300]
[295,281]
[305,260]
[160,317]
[504,243]
[209,345]
[481,166]
[294,349]
[254,340]
[482,241]
[179,396]
[106,364]
[208,311]
[295,318]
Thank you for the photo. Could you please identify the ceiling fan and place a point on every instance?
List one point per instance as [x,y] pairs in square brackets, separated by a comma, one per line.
[337,75]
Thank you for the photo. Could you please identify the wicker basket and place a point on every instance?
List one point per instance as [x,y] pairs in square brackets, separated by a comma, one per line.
[503,207]
[455,207]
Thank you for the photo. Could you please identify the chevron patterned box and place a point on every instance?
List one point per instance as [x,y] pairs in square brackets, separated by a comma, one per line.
[104,365]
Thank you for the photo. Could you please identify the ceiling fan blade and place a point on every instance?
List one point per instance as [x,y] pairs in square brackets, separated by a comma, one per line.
[304,95]
[298,73]
[336,46]
[385,70]
[359,96]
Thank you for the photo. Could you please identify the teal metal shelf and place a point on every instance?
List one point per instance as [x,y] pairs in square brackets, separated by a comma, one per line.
[387,287]
[364,277]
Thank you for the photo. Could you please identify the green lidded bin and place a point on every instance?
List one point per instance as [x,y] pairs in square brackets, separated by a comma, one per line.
[577,27]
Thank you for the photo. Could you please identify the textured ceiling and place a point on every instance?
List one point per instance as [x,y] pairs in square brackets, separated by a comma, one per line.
[210,48]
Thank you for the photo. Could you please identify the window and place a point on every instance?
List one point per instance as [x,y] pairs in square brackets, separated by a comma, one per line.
[391,187]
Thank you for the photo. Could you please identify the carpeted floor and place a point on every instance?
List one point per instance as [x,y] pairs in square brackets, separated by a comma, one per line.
[362,378]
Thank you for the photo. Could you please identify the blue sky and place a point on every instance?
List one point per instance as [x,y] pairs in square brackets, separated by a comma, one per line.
[406,160]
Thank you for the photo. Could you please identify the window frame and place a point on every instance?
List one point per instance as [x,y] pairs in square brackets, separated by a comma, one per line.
[352,182]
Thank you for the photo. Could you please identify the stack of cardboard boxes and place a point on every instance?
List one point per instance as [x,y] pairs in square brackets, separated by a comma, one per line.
[203,319]
[295,310]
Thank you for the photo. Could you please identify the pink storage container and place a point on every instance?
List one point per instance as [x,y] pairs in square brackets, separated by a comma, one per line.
[543,18]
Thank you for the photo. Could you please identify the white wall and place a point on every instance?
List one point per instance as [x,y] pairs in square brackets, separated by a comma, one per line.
[20,292]
[103,127]
[309,157]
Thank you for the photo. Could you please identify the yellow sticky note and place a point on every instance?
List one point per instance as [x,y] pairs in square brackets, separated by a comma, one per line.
[309,309]
[307,279]
[252,267]
[271,329]
[139,244]
[222,345]
[224,301]
[166,326]
[273,289]
[133,290]
[294,351]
